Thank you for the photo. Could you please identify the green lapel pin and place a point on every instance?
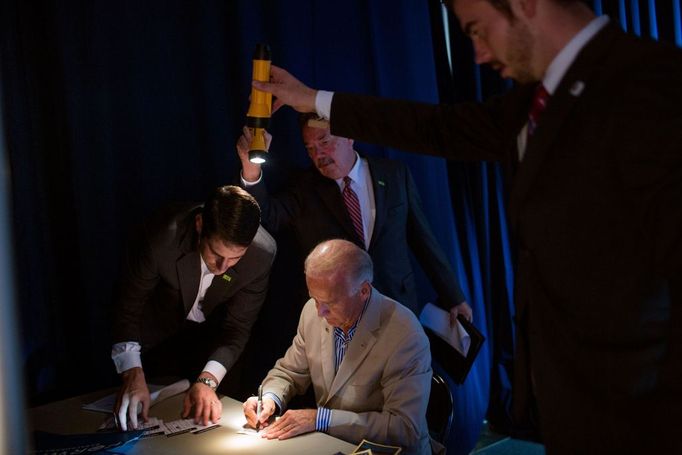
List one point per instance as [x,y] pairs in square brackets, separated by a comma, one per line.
[381,183]
[227,277]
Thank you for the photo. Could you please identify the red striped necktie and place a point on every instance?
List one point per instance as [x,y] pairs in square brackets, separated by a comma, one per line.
[540,100]
[353,206]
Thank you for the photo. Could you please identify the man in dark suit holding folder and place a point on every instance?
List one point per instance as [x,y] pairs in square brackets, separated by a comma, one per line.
[386,218]
[590,139]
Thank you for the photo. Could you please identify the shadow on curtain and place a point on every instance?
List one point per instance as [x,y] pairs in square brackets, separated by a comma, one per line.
[114,109]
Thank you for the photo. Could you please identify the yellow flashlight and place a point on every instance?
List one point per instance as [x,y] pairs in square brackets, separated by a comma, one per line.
[260,108]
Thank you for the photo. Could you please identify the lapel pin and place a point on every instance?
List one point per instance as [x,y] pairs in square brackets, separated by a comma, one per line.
[227,277]
[381,183]
[577,88]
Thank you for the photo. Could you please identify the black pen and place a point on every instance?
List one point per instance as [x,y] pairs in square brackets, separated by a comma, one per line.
[259,407]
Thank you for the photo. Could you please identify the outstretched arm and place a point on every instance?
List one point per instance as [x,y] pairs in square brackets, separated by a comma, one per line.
[288,91]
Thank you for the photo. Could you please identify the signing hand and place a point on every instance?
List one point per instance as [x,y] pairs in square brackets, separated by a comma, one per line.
[207,406]
[464,309]
[250,171]
[132,393]
[251,405]
[288,90]
[292,423]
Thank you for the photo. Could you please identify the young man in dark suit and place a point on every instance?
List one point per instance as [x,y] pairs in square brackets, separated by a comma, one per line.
[388,221]
[591,143]
[192,286]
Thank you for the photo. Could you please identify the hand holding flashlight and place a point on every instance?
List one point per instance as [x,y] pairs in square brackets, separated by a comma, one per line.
[260,108]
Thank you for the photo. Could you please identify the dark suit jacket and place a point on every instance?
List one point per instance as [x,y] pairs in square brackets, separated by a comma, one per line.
[313,206]
[596,209]
[160,282]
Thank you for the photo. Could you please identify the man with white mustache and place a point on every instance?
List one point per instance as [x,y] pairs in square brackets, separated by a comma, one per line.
[389,224]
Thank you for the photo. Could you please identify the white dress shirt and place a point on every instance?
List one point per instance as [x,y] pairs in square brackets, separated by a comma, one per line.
[559,66]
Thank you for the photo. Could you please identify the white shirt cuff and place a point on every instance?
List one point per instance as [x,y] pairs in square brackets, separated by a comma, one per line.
[126,355]
[246,183]
[216,369]
[323,103]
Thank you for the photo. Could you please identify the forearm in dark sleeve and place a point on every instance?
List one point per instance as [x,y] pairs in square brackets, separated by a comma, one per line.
[467,131]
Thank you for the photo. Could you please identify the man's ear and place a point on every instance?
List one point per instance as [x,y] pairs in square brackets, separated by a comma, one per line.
[366,289]
[198,222]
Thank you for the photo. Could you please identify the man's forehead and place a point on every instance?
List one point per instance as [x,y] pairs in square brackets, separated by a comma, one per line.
[470,12]
[315,131]
[318,123]
[225,248]
[312,132]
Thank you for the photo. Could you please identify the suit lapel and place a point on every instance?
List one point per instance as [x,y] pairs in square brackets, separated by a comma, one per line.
[327,349]
[189,273]
[331,197]
[538,148]
[362,343]
[218,289]
[379,180]
[558,111]
[188,265]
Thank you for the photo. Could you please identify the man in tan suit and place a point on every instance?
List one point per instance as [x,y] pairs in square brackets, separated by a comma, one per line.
[366,356]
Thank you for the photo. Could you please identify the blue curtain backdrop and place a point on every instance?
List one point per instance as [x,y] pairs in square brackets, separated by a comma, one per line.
[116,108]
[113,109]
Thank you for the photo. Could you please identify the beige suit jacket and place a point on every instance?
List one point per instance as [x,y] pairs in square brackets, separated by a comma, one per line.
[382,387]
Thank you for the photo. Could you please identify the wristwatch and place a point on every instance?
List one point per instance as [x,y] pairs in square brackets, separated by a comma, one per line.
[208,381]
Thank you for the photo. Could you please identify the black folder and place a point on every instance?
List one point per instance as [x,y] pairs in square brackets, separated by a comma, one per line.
[453,362]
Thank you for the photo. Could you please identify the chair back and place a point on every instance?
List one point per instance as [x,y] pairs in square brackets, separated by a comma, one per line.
[439,412]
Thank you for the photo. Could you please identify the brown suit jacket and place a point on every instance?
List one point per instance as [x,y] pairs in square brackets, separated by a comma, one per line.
[382,387]
[160,281]
[596,213]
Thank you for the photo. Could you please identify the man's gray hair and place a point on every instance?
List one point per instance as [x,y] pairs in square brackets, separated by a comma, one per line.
[333,256]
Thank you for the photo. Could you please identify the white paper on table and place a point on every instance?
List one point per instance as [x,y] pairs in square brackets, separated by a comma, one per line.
[247,430]
[158,393]
[438,320]
[181,426]
[168,391]
[154,423]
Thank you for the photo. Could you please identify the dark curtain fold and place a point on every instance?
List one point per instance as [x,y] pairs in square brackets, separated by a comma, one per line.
[114,109]
[478,201]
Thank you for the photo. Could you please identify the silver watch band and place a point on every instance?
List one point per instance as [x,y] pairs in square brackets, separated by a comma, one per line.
[208,381]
